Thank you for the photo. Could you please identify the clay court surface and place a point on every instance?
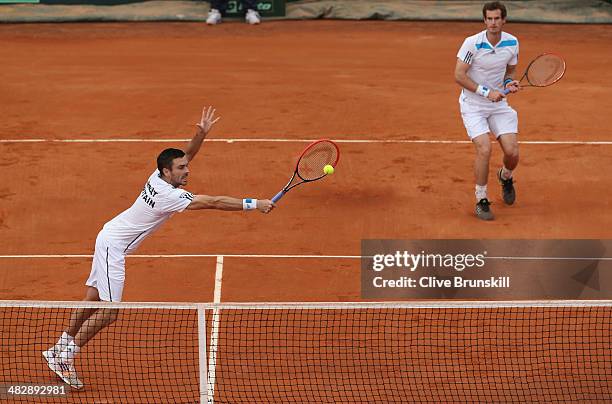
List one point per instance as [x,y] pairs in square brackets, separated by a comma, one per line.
[292,80]
[281,80]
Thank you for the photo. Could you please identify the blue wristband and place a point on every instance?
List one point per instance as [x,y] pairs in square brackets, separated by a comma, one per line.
[507,81]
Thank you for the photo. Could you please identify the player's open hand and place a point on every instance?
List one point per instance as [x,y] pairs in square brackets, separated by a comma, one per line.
[265,205]
[208,119]
[495,96]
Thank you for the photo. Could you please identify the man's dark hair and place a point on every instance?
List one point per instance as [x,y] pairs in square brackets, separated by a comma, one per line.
[164,160]
[494,5]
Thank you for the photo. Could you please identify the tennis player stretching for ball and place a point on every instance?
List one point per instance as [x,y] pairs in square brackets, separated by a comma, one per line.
[160,198]
[486,64]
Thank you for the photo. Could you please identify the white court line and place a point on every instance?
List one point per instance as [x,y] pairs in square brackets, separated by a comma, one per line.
[218,279]
[273,140]
[214,333]
[220,266]
[202,352]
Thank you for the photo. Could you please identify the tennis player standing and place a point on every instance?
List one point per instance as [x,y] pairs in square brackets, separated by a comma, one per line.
[486,64]
[160,198]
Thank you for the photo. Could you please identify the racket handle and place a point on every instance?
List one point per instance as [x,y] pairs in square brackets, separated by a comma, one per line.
[506,91]
[278,196]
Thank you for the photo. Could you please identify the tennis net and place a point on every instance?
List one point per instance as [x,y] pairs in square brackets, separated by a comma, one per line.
[559,351]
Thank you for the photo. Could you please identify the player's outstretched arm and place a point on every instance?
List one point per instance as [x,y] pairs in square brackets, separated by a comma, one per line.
[203,127]
[229,203]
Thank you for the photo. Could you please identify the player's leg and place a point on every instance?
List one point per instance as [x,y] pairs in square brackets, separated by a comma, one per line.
[63,363]
[510,147]
[79,316]
[105,283]
[482,144]
[504,123]
[220,5]
[65,368]
[91,323]
[110,278]
[252,15]
[109,286]
[217,10]
[99,320]
[475,122]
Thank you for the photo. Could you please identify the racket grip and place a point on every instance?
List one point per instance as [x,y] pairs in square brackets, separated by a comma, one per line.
[277,197]
[506,91]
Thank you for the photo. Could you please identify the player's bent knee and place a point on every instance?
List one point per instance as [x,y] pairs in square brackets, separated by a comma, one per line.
[515,155]
[512,153]
[91,294]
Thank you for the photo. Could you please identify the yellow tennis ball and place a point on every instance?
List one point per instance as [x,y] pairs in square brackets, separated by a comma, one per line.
[328,169]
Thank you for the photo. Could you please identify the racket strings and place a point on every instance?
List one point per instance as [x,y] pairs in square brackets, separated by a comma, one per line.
[310,166]
[546,70]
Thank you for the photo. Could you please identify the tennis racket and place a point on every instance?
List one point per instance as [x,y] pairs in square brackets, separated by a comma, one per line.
[310,165]
[543,71]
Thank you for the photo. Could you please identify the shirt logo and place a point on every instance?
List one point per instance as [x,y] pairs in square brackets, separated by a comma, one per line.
[187,195]
[468,58]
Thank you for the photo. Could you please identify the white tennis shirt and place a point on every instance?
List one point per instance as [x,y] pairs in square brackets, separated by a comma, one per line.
[157,202]
[488,62]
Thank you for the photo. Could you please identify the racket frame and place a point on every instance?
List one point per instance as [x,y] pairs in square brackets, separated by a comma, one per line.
[287,187]
[526,74]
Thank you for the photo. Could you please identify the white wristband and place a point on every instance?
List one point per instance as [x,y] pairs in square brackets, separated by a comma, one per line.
[482,91]
[248,204]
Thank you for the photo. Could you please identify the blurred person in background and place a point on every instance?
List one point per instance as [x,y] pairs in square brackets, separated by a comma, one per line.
[218,8]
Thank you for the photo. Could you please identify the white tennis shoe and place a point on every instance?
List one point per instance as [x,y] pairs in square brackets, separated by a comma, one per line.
[63,368]
[252,17]
[214,17]
[53,351]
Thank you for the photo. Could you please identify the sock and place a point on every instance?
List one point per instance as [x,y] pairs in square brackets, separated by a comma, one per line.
[70,351]
[481,192]
[63,341]
[505,173]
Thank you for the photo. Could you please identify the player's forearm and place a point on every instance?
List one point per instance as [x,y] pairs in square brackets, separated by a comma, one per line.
[510,70]
[510,83]
[204,126]
[229,203]
[226,203]
[216,202]
[195,143]
[465,81]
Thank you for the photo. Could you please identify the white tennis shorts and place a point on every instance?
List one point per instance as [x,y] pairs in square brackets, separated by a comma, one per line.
[496,117]
[107,270]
